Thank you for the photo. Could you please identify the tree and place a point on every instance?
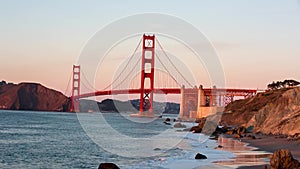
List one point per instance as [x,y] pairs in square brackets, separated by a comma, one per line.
[271,86]
[2,83]
[291,83]
[284,84]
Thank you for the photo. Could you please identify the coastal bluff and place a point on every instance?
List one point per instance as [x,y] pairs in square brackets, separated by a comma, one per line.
[271,112]
[32,96]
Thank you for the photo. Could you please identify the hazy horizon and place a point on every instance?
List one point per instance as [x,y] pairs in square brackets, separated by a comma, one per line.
[257,41]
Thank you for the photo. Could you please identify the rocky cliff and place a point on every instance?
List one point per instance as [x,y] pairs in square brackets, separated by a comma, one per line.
[32,96]
[272,112]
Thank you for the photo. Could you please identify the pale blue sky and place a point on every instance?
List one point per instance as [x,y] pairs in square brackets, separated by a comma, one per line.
[257,40]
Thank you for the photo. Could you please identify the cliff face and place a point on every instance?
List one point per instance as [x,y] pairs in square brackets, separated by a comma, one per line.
[273,112]
[32,96]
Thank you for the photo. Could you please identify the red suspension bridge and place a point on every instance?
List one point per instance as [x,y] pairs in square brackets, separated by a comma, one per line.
[141,68]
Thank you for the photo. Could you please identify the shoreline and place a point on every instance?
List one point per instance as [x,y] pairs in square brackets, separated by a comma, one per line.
[271,143]
[255,153]
[246,156]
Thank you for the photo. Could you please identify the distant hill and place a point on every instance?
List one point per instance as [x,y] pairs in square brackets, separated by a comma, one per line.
[272,112]
[32,96]
[109,105]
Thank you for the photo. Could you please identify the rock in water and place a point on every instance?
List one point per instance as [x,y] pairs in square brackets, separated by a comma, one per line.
[167,123]
[179,125]
[283,159]
[200,156]
[108,166]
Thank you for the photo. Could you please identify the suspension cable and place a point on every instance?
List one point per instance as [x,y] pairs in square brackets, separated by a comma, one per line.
[67,88]
[130,72]
[124,67]
[172,63]
[166,69]
[90,86]
[85,85]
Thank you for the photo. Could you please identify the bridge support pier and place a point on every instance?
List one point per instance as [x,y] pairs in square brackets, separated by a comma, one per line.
[182,111]
[206,103]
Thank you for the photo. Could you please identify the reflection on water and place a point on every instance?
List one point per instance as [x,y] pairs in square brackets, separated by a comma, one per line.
[245,155]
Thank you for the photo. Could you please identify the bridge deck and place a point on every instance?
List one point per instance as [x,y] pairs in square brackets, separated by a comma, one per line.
[208,91]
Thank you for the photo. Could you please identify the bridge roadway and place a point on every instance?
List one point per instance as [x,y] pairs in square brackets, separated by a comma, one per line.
[208,91]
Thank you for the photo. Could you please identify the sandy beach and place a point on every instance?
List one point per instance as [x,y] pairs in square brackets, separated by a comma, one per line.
[255,153]
[273,143]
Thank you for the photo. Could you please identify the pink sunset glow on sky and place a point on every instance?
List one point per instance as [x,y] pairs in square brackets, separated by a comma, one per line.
[257,41]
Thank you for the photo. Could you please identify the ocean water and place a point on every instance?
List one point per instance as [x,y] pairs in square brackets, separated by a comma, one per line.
[67,140]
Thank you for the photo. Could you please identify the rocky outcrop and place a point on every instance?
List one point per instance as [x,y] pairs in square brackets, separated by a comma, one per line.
[272,112]
[283,159]
[199,127]
[32,96]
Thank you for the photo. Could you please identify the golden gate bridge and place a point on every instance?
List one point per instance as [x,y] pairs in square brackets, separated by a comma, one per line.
[145,80]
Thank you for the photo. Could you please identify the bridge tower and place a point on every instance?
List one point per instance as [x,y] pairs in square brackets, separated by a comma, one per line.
[147,73]
[75,88]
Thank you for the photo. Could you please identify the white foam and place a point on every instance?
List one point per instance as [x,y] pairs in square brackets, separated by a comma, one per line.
[190,145]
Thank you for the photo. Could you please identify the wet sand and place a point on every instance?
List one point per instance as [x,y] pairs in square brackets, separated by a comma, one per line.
[246,156]
[255,153]
[273,143]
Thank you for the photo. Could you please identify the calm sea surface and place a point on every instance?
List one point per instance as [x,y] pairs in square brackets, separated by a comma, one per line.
[66,140]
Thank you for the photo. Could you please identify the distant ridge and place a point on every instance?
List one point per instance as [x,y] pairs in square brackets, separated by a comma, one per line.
[32,96]
[110,105]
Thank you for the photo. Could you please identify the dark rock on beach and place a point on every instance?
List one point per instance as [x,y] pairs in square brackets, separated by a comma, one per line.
[200,156]
[283,159]
[108,166]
